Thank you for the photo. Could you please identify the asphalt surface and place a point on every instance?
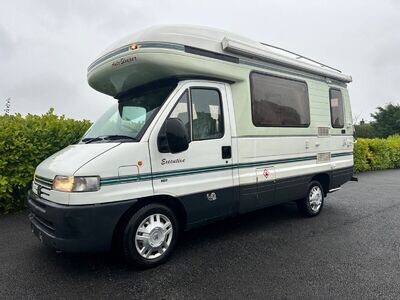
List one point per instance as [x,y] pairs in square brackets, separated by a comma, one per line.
[351,250]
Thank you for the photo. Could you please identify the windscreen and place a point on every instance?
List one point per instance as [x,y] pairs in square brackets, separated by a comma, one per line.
[127,119]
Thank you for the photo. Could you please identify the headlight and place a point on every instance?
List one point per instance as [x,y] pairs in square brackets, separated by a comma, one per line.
[76,183]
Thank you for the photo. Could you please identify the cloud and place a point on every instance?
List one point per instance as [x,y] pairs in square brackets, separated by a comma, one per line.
[46,46]
[6,44]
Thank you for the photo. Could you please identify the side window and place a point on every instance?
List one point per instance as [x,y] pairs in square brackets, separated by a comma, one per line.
[336,103]
[181,111]
[279,101]
[207,120]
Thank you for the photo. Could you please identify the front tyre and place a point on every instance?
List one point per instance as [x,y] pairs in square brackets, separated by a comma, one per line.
[150,236]
[312,204]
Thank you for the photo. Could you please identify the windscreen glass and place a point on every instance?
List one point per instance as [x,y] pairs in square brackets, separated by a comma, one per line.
[127,119]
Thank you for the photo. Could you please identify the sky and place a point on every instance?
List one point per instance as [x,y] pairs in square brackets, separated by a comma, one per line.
[46,45]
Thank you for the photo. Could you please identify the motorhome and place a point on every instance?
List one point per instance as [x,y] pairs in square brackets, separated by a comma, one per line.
[204,124]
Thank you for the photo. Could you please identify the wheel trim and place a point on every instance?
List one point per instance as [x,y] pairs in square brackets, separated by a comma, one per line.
[153,236]
[315,198]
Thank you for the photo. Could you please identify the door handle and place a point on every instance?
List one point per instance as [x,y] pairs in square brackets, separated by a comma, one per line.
[226,152]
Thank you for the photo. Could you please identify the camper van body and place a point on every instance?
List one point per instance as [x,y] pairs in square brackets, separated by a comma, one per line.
[246,148]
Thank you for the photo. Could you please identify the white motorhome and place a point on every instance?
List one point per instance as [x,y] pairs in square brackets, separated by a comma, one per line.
[205,124]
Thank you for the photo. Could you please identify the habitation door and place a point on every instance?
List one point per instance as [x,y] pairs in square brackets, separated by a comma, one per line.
[201,176]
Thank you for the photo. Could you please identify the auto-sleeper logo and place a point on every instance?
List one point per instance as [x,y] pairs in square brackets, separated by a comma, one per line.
[172,161]
[123,60]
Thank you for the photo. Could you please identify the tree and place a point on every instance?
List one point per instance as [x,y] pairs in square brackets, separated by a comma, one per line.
[387,120]
[7,106]
[365,130]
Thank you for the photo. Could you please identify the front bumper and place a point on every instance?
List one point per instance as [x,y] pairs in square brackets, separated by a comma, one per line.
[75,228]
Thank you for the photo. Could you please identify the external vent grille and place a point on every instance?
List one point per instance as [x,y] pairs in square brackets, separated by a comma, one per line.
[323,157]
[323,131]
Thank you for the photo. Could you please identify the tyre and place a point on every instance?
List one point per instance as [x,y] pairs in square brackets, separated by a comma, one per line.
[150,236]
[312,204]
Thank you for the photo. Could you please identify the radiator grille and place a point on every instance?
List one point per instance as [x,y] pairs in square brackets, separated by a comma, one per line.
[46,182]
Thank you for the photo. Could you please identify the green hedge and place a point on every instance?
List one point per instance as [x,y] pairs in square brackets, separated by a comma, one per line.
[377,154]
[24,143]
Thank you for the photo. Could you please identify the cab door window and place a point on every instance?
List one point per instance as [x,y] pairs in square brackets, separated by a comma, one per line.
[181,111]
[207,119]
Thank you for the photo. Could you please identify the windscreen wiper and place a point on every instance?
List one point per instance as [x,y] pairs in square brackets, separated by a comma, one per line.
[89,140]
[118,137]
[108,137]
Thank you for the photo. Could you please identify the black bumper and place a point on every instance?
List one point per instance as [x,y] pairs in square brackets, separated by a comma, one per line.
[340,176]
[77,228]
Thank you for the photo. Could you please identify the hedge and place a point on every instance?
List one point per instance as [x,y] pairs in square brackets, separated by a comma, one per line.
[377,154]
[24,143]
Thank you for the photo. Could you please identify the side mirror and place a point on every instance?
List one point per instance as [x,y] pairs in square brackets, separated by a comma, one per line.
[173,137]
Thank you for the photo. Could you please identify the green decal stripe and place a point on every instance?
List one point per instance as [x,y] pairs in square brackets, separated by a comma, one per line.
[341,154]
[277,161]
[124,179]
[111,180]
[117,182]
[191,171]
[161,45]
[143,177]
[148,176]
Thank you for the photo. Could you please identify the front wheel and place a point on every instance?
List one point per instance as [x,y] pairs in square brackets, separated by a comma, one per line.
[150,236]
[312,204]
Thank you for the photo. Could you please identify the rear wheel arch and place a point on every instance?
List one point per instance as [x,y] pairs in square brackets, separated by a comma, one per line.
[324,180]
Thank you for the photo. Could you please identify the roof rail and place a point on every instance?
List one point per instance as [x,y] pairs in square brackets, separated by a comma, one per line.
[299,56]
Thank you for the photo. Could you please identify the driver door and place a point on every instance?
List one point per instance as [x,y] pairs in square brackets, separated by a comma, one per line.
[201,176]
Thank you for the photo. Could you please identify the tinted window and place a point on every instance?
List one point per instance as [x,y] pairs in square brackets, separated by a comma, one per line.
[181,111]
[336,102]
[207,121]
[279,101]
